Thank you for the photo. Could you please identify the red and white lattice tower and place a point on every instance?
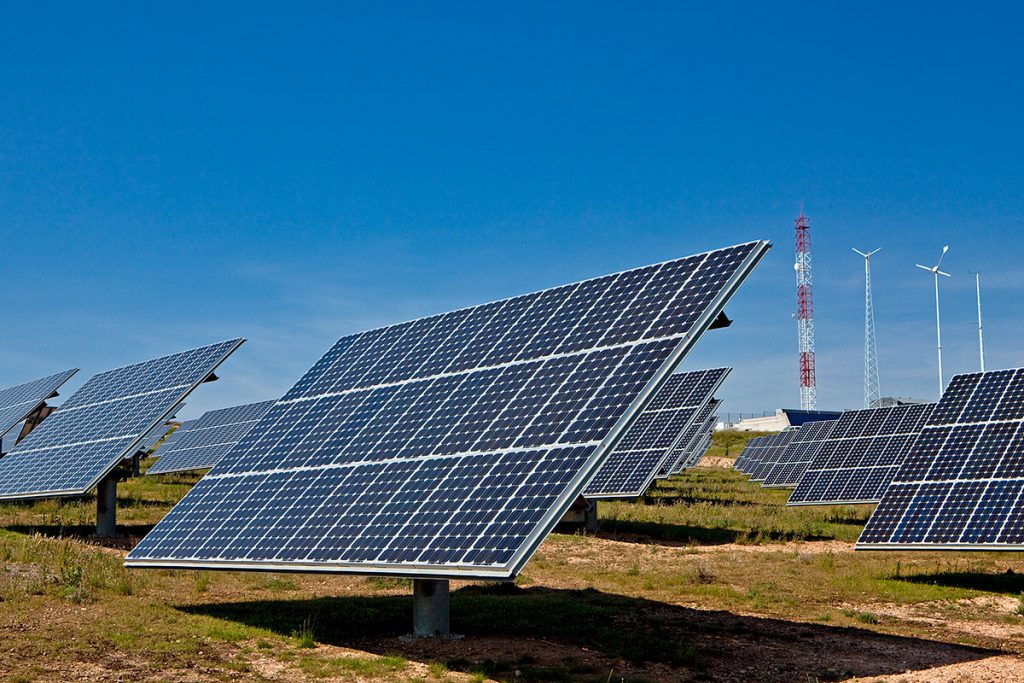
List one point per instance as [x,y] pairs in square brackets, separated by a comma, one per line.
[805,313]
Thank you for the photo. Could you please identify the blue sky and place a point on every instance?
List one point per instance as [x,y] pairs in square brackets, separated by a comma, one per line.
[174,175]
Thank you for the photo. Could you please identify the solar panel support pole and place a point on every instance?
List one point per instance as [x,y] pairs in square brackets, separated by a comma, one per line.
[106,506]
[590,517]
[430,609]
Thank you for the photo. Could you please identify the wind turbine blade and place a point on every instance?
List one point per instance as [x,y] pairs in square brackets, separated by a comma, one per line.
[941,273]
[860,252]
[944,250]
[872,253]
[923,267]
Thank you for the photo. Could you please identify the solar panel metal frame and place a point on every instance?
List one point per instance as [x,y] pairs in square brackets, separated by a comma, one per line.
[131,448]
[857,432]
[191,427]
[47,390]
[565,499]
[944,427]
[694,410]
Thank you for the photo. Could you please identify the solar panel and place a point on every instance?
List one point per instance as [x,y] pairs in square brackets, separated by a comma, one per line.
[699,448]
[643,450]
[751,454]
[774,445]
[451,445]
[8,440]
[794,460]
[18,402]
[200,444]
[102,423]
[683,452]
[861,456]
[960,487]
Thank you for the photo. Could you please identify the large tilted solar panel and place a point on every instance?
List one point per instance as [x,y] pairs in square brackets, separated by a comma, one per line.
[641,453]
[774,446]
[451,445]
[961,485]
[861,456]
[18,402]
[686,453]
[8,440]
[102,423]
[797,456]
[200,444]
[750,454]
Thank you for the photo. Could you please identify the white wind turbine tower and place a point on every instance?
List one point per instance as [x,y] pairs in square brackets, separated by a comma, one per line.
[981,338]
[934,270]
[872,391]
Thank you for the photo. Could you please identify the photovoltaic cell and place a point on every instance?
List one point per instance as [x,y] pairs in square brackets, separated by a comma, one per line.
[102,423]
[960,486]
[797,456]
[448,446]
[200,444]
[861,456]
[644,448]
[18,402]
[751,454]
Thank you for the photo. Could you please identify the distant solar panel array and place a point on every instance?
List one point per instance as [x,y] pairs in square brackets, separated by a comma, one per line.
[861,456]
[645,448]
[796,457]
[450,445]
[773,447]
[102,423]
[962,484]
[19,402]
[200,444]
[751,454]
[694,442]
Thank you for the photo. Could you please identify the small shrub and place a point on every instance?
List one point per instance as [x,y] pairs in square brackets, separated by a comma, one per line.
[304,636]
[867,618]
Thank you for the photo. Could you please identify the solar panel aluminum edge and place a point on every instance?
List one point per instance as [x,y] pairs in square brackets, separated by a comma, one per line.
[641,476]
[529,541]
[87,396]
[20,401]
[962,485]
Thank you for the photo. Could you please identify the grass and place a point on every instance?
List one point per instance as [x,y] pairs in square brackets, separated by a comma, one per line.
[688,579]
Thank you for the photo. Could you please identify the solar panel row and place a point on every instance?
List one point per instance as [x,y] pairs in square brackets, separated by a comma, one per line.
[751,454]
[793,461]
[961,485]
[644,449]
[200,444]
[863,453]
[18,402]
[687,452]
[102,423]
[450,445]
[771,448]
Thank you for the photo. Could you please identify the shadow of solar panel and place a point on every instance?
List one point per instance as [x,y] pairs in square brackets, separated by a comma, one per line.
[860,456]
[960,487]
[102,423]
[448,446]
[200,444]
[794,459]
[18,402]
[644,448]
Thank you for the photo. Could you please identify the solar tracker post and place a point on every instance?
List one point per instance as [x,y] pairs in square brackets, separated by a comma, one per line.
[431,609]
[106,506]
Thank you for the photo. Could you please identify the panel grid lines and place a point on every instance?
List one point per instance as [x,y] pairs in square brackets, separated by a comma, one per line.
[448,445]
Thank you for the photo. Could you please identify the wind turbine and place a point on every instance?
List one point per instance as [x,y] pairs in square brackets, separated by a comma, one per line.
[934,270]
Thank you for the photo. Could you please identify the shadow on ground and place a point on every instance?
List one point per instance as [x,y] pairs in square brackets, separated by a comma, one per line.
[128,535]
[1008,582]
[631,531]
[549,634]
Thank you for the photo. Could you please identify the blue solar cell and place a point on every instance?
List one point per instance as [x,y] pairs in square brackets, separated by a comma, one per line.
[102,423]
[451,445]
[961,485]
[18,402]
[693,444]
[792,461]
[200,444]
[644,449]
[860,456]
